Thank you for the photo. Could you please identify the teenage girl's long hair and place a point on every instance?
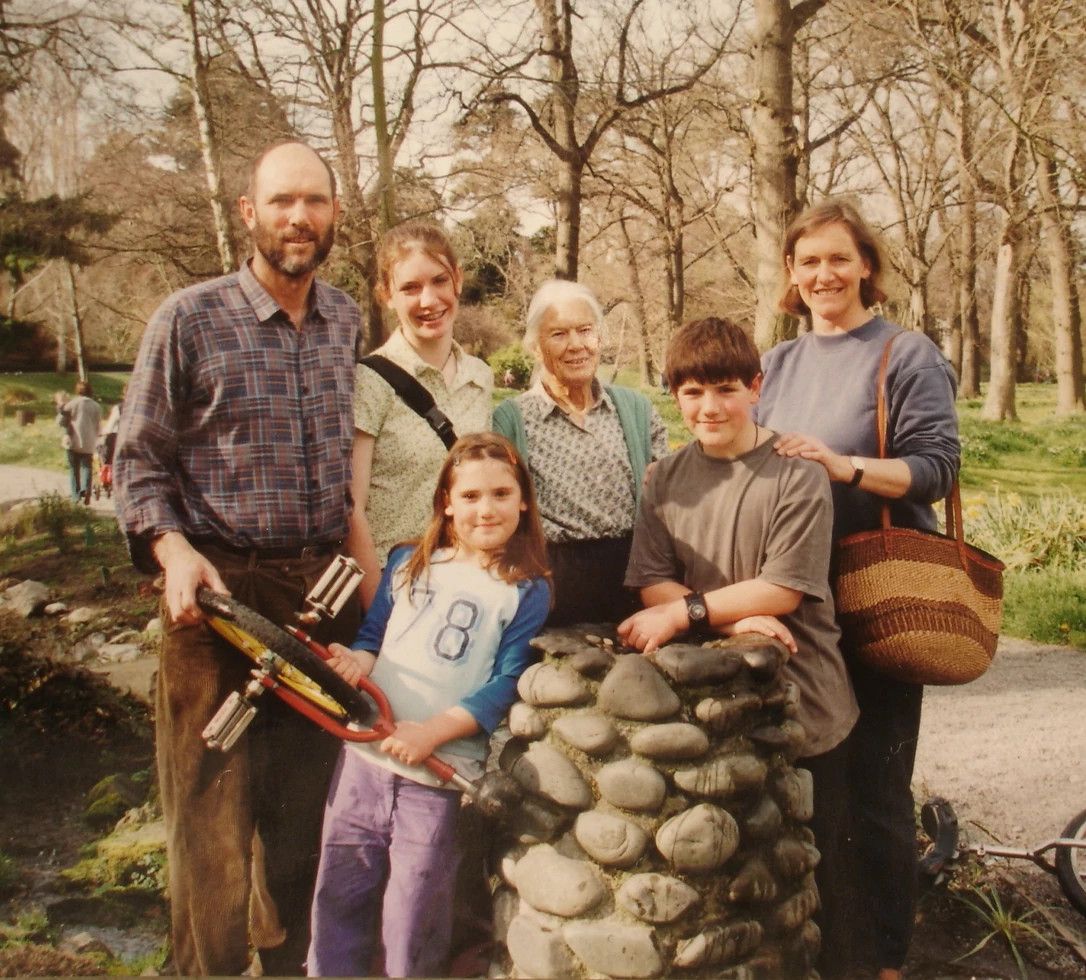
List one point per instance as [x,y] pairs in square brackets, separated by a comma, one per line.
[525,553]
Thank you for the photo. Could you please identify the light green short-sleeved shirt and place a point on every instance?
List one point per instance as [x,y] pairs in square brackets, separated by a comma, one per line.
[407,453]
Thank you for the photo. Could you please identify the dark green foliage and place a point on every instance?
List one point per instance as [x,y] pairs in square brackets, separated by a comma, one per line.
[515,359]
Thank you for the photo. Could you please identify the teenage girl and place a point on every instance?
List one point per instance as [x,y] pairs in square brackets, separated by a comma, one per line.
[446,639]
[396,454]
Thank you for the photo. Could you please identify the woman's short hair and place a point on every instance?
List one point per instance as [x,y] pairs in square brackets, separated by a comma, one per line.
[834,210]
[416,235]
[84,388]
[551,294]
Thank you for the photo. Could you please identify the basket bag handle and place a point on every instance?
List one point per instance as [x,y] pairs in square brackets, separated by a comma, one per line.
[953,503]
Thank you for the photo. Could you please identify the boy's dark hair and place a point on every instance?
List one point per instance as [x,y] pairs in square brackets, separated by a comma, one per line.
[710,351]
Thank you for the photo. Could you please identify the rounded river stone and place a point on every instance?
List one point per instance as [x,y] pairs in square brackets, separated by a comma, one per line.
[723,777]
[699,839]
[687,664]
[590,732]
[546,772]
[614,949]
[678,740]
[724,714]
[559,885]
[538,950]
[634,689]
[609,839]
[592,662]
[526,722]
[551,686]
[718,945]
[655,897]
[631,785]
[794,790]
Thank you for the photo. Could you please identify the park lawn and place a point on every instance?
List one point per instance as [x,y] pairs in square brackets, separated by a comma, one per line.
[38,444]
[1023,488]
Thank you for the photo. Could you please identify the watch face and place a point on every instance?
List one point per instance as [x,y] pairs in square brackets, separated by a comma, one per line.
[696,610]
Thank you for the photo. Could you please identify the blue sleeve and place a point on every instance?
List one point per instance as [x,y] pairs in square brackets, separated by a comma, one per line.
[489,705]
[371,634]
[923,427]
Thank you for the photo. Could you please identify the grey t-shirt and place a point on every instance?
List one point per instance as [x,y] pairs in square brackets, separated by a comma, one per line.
[708,523]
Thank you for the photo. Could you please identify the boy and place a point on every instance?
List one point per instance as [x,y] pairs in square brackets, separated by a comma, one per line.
[732,538]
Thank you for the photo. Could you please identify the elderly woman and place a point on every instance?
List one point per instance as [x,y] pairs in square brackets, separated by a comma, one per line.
[820,392]
[587,446]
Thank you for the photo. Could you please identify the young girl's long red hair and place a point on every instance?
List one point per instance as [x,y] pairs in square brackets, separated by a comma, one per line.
[525,553]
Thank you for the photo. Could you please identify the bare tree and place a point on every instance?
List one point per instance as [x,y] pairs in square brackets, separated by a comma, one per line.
[776,151]
[209,147]
[576,78]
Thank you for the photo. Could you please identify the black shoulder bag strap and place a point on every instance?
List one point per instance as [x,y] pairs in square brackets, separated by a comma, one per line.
[413,395]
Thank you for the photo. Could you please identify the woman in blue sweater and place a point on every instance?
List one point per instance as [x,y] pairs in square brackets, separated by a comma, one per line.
[820,393]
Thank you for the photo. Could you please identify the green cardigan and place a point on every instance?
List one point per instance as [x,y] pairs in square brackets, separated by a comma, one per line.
[634,415]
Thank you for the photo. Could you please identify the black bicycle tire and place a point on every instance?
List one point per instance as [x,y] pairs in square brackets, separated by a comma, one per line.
[1069,877]
[359,707]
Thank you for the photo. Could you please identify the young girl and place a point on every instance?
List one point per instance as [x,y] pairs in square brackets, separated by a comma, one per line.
[446,639]
[396,454]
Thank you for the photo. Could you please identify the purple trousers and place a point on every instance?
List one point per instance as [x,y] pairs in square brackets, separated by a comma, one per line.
[389,847]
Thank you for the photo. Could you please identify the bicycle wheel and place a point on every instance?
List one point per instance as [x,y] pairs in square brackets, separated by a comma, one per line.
[303,670]
[1071,864]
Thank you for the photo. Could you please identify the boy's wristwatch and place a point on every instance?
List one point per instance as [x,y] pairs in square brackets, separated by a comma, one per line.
[696,609]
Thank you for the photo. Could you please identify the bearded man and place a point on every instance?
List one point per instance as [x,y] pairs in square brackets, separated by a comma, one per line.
[232,471]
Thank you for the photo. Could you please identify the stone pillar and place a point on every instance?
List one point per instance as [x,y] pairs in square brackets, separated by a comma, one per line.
[662,831]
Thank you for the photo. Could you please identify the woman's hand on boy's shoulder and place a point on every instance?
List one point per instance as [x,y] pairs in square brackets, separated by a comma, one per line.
[351,665]
[651,628]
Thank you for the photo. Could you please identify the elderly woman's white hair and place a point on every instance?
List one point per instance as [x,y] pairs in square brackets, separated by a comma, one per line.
[551,294]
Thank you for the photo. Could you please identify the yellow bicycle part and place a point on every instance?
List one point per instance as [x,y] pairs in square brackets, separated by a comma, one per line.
[289,675]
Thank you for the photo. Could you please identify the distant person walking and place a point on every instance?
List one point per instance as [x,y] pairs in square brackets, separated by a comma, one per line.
[80,417]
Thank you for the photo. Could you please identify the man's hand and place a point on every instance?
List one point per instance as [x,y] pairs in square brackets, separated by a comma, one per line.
[653,627]
[351,665]
[186,569]
[766,625]
[411,742]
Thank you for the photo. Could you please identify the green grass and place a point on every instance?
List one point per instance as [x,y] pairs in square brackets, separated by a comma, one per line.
[38,444]
[1023,487]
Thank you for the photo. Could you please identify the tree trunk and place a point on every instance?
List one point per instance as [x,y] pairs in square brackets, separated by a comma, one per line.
[77,323]
[776,161]
[637,294]
[967,296]
[557,47]
[386,208]
[1066,323]
[568,233]
[999,402]
[201,107]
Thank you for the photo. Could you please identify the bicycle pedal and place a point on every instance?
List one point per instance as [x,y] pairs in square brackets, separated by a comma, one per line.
[229,722]
[338,583]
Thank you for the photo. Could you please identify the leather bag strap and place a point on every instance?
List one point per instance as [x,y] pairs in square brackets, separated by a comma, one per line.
[413,395]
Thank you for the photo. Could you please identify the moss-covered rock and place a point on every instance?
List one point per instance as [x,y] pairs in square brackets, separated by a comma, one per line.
[111,798]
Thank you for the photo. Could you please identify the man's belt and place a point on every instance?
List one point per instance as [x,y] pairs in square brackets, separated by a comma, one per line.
[269,554]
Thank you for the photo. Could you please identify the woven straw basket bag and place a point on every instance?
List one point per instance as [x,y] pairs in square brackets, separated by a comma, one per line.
[916,605]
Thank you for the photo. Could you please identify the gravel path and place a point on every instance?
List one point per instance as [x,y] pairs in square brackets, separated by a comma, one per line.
[1009,750]
[19,483]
